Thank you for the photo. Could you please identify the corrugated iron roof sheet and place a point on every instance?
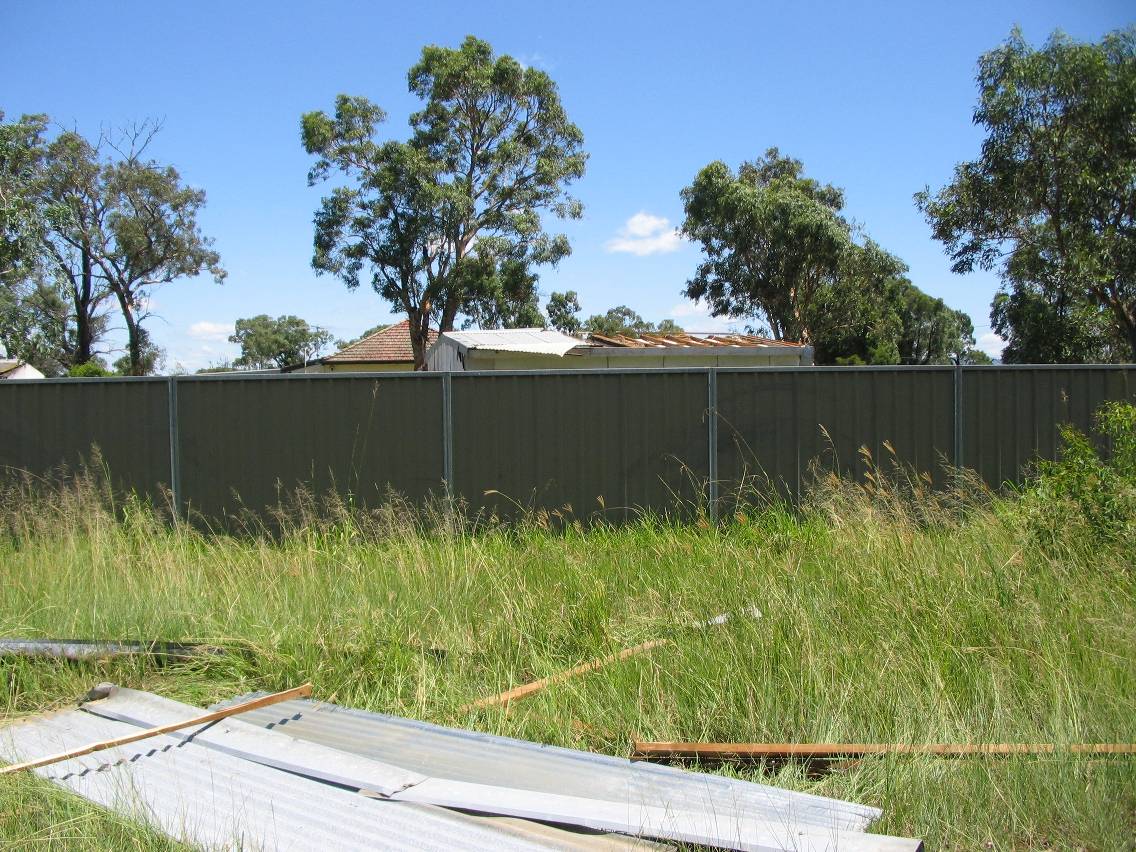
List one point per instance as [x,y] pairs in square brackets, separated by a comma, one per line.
[480,758]
[389,345]
[216,800]
[540,341]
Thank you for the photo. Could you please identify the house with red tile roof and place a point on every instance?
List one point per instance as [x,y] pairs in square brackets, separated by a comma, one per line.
[387,350]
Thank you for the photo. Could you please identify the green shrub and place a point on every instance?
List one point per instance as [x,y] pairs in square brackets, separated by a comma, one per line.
[1087,489]
[89,370]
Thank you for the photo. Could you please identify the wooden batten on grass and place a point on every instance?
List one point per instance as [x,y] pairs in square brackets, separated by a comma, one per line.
[839,751]
[529,688]
[303,691]
[583,668]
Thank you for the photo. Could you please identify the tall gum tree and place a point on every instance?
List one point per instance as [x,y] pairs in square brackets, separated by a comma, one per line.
[1051,200]
[446,222]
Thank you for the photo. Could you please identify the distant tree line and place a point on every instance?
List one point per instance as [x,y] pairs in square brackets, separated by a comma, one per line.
[449,227]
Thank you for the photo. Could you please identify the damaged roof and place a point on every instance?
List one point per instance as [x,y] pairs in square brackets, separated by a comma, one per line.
[679,340]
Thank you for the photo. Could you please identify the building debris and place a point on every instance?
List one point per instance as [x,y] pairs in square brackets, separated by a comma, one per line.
[843,751]
[88,649]
[163,728]
[537,685]
[265,779]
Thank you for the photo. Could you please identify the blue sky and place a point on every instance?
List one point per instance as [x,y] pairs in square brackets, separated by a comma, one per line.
[875,98]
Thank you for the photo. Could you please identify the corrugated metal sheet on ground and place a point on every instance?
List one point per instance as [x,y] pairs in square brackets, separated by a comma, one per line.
[222,802]
[479,758]
[597,810]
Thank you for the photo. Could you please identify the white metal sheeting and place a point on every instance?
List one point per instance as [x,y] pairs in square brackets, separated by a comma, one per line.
[478,758]
[217,801]
[540,341]
[757,833]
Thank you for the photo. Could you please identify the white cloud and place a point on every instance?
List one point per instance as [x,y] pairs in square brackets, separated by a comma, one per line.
[644,234]
[991,344]
[535,60]
[215,331]
[695,317]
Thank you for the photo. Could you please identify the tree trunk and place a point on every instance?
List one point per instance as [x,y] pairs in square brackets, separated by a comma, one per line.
[133,335]
[419,336]
[84,334]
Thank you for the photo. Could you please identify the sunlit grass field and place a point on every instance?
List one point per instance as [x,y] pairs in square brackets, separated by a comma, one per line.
[886,616]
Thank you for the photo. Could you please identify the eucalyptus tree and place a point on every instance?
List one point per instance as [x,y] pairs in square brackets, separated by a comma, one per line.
[22,216]
[435,220]
[773,241]
[266,342]
[119,226]
[1051,200]
[563,312]
[149,237]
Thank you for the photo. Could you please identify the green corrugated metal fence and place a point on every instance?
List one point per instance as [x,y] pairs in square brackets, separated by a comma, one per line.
[605,441]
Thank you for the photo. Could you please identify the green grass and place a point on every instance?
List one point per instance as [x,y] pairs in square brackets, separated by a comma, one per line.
[885,618]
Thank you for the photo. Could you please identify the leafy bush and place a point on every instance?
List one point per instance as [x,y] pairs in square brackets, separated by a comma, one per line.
[1089,489]
[89,370]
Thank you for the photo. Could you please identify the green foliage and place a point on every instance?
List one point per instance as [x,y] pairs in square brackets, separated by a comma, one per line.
[623,320]
[92,369]
[112,226]
[778,249]
[1040,331]
[36,325]
[280,342]
[22,218]
[563,312]
[448,222]
[618,320]
[1051,201]
[1088,489]
[505,297]
[151,358]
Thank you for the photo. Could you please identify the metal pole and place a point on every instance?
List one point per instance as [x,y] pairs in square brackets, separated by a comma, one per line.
[175,448]
[447,434]
[958,415]
[712,440]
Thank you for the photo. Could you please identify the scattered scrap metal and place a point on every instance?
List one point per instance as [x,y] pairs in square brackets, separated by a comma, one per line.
[88,649]
[300,775]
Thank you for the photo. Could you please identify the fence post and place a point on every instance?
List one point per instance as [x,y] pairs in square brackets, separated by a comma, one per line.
[712,440]
[957,449]
[447,434]
[175,447]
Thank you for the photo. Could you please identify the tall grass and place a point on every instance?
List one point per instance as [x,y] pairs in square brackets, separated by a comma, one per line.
[888,613]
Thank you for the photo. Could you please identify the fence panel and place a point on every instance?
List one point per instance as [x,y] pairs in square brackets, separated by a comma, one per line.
[46,424]
[1011,415]
[606,442]
[594,441]
[243,441]
[775,423]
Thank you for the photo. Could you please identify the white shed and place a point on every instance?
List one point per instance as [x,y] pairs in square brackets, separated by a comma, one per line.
[13,369]
[545,349]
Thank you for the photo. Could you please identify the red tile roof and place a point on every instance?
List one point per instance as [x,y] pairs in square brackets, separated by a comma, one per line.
[391,344]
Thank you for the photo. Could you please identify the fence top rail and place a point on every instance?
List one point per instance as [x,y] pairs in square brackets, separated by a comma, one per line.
[428,376]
